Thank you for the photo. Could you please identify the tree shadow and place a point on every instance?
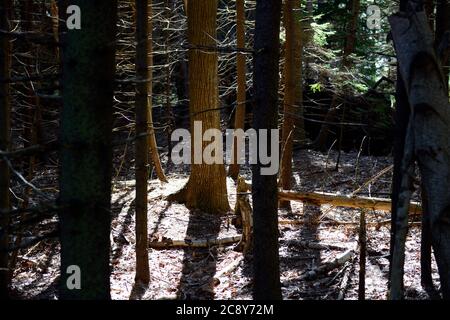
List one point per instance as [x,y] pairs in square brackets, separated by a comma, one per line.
[199,264]
[296,257]
[119,239]
[39,277]
[161,216]
[139,289]
[303,259]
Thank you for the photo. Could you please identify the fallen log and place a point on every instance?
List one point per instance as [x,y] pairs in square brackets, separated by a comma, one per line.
[312,245]
[380,204]
[193,243]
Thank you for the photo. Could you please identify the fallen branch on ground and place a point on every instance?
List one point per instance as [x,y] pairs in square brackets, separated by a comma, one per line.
[380,204]
[312,245]
[193,243]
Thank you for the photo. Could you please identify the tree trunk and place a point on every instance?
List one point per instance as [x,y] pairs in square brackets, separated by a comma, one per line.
[292,90]
[264,187]
[443,26]
[5,142]
[206,189]
[401,119]
[86,150]
[349,48]
[427,139]
[239,121]
[350,39]
[143,104]
[154,153]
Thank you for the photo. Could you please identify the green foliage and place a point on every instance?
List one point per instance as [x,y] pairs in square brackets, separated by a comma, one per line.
[316,87]
[321,32]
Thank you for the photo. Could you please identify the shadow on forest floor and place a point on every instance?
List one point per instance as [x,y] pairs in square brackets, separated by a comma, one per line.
[199,264]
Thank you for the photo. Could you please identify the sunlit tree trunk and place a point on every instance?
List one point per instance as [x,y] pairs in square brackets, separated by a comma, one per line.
[86,150]
[148,70]
[292,90]
[206,188]
[5,141]
[264,187]
[241,81]
[143,12]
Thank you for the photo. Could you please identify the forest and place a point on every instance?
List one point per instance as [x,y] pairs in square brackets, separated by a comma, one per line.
[224,150]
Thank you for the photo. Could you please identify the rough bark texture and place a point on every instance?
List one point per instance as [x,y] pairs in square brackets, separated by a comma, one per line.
[206,188]
[292,89]
[427,141]
[264,187]
[143,105]
[241,82]
[86,151]
[5,141]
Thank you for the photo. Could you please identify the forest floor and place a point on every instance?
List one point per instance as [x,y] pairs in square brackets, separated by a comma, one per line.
[222,272]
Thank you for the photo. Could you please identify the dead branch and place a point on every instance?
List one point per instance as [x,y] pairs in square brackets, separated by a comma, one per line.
[380,204]
[193,243]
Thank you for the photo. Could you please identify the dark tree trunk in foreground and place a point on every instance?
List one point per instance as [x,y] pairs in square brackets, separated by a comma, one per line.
[142,145]
[86,151]
[5,115]
[401,119]
[426,141]
[264,187]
